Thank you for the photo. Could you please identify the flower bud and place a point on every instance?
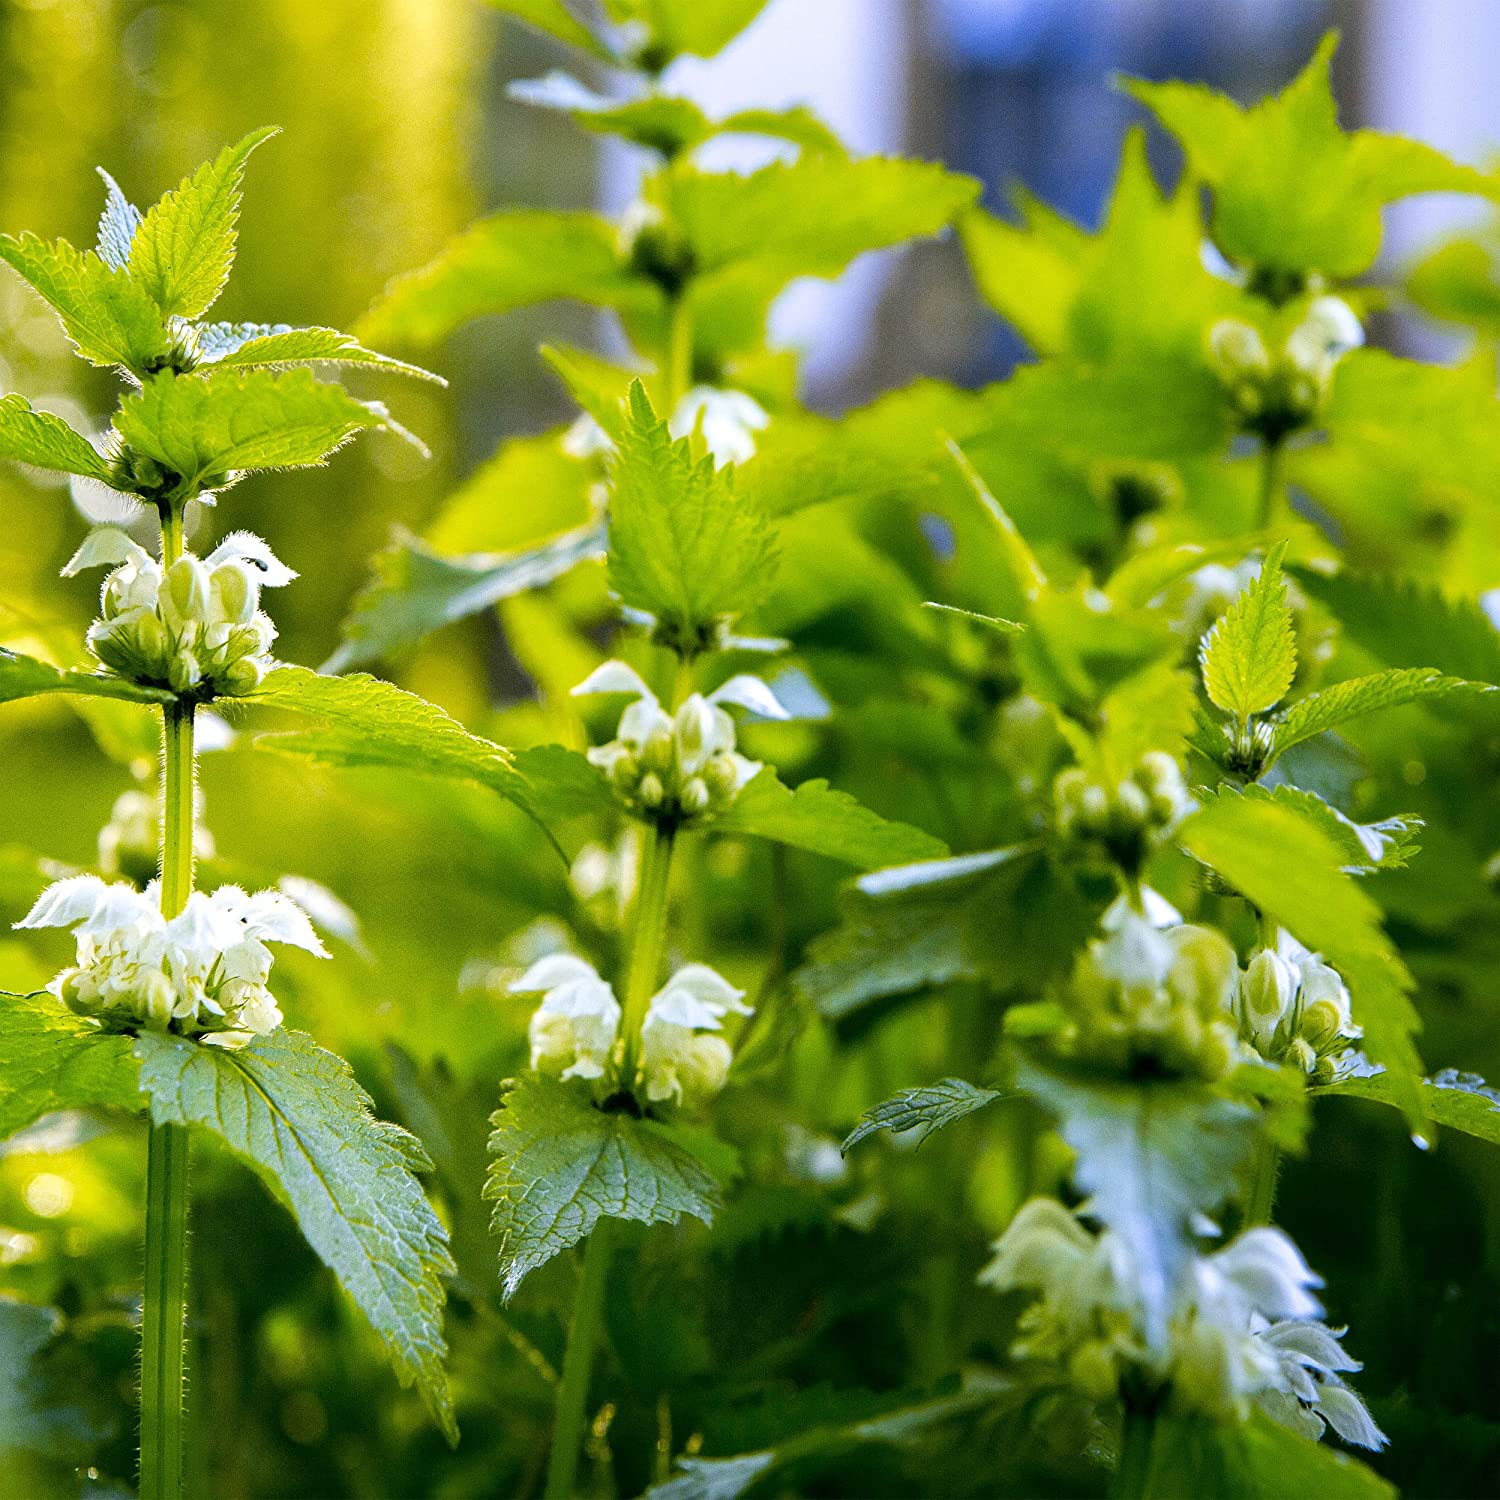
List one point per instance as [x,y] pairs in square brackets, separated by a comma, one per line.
[694,796]
[651,792]
[720,778]
[1322,1025]
[157,1001]
[625,771]
[1267,991]
[1237,349]
[1133,802]
[184,673]
[693,729]
[242,676]
[657,753]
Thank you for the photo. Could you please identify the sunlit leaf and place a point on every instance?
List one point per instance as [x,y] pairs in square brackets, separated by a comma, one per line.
[25,677]
[1250,656]
[47,442]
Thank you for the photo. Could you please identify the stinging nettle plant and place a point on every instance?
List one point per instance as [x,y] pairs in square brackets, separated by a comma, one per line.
[1145,645]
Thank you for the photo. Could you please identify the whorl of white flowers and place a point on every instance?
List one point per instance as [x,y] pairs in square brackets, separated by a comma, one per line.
[1293,1008]
[201,973]
[1275,394]
[677,767]
[1121,822]
[1243,1330]
[195,626]
[575,1031]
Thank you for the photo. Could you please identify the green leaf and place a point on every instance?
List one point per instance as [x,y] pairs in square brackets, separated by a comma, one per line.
[823,820]
[599,387]
[295,1114]
[1293,871]
[39,438]
[415,591]
[1254,1460]
[1463,1100]
[117,225]
[1292,190]
[208,429]
[928,1108]
[989,622]
[513,259]
[699,27]
[560,1165]
[184,246]
[279,344]
[554,19]
[110,319]
[25,677]
[682,545]
[660,122]
[369,722]
[1030,580]
[1151,1157]
[811,217]
[1363,695]
[1250,656]
[1459,283]
[1387,844]
[51,1059]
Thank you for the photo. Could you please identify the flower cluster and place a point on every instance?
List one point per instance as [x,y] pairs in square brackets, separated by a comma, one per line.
[1242,1332]
[1120,824]
[201,973]
[575,1031]
[1293,1008]
[1275,395]
[1148,996]
[195,626]
[682,767]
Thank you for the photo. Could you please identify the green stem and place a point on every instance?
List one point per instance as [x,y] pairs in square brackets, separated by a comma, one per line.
[578,1364]
[1132,1476]
[1262,1196]
[650,933]
[679,361]
[164,1305]
[1270,480]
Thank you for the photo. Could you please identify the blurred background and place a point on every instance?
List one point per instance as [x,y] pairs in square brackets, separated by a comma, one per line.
[397,133]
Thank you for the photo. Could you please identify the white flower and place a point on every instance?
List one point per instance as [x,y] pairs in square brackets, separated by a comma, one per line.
[1327,333]
[573,1031]
[682,1058]
[1292,1007]
[680,766]
[205,970]
[1309,1395]
[195,624]
[728,421]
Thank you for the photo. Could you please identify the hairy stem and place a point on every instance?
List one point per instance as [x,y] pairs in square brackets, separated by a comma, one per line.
[164,1305]
[1262,1196]
[679,360]
[1132,1476]
[648,940]
[1271,485]
[578,1364]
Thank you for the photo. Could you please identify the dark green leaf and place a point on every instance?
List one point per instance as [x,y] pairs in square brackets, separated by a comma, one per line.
[928,1108]
[1461,1100]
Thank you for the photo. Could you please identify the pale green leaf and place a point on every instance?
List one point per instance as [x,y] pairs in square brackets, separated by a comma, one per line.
[1250,656]
[1363,695]
[25,677]
[661,122]
[1027,572]
[1458,282]
[208,429]
[683,546]
[1463,1101]
[184,246]
[1293,871]
[554,19]
[513,259]
[928,1108]
[823,820]
[279,344]
[51,1059]
[1151,1157]
[39,438]
[1388,844]
[560,1165]
[992,623]
[415,591]
[1025,277]
[295,1114]
[699,27]
[365,721]
[598,386]
[110,319]
[118,223]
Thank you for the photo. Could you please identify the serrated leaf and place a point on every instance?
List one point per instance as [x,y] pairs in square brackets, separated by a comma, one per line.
[118,223]
[1258,1459]
[183,248]
[1249,658]
[512,259]
[823,820]
[279,344]
[25,677]
[598,386]
[1293,871]
[51,1059]
[1461,1100]
[929,1109]
[1292,190]
[415,591]
[37,437]
[369,722]
[1150,1158]
[989,622]
[560,1165]
[810,217]
[1363,695]
[295,1114]
[683,546]
[110,319]
[660,122]
[1387,844]
[208,429]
